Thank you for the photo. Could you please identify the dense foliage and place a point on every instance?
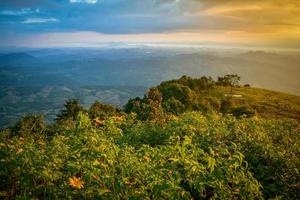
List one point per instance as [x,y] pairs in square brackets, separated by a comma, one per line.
[188,94]
[151,152]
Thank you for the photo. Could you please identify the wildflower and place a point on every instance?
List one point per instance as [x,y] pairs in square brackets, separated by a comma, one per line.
[191,128]
[173,118]
[118,118]
[98,122]
[76,183]
[133,114]
[95,177]
[255,118]
[22,140]
[146,158]
[20,150]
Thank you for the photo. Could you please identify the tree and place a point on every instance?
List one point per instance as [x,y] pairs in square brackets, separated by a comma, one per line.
[231,80]
[173,106]
[155,100]
[72,108]
[180,92]
[102,111]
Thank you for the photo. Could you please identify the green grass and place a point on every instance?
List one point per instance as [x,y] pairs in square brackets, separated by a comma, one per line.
[267,103]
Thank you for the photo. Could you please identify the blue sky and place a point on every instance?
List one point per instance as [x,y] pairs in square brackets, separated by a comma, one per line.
[51,22]
[105,16]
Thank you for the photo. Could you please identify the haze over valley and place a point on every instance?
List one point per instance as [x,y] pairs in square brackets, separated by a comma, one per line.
[40,80]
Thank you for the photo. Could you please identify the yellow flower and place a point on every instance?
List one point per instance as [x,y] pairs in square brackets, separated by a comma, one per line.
[20,150]
[118,118]
[98,122]
[133,114]
[76,183]
[191,128]
[255,118]
[173,118]
[146,158]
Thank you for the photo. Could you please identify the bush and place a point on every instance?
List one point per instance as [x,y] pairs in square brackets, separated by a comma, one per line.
[240,111]
[29,125]
[188,156]
[102,111]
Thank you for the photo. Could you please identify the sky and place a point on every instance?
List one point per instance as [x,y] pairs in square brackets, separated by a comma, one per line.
[69,23]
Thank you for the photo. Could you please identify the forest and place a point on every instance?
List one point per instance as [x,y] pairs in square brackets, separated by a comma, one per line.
[189,138]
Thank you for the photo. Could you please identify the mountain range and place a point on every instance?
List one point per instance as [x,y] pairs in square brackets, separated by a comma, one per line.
[27,74]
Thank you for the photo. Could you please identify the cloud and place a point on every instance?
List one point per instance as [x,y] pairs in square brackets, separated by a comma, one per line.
[247,19]
[94,39]
[255,16]
[36,20]
[20,4]
[84,1]
[23,11]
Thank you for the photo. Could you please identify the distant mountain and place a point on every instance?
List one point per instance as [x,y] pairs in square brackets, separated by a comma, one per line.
[147,67]
[270,57]
[259,53]
[16,58]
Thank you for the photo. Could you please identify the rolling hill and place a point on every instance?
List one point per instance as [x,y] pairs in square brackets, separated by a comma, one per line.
[206,95]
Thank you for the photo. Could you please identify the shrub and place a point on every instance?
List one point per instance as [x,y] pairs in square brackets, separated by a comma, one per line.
[240,111]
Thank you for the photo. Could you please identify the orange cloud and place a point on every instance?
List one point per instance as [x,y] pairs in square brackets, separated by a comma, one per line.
[264,21]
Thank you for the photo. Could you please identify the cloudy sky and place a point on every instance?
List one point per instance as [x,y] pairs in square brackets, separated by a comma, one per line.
[46,23]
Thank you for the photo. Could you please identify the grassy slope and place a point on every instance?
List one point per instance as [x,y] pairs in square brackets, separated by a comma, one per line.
[269,104]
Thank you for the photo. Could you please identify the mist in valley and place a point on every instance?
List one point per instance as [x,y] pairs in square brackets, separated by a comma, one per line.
[40,80]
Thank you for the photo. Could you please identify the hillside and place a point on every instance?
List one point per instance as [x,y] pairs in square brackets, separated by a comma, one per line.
[185,139]
[267,103]
[206,95]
